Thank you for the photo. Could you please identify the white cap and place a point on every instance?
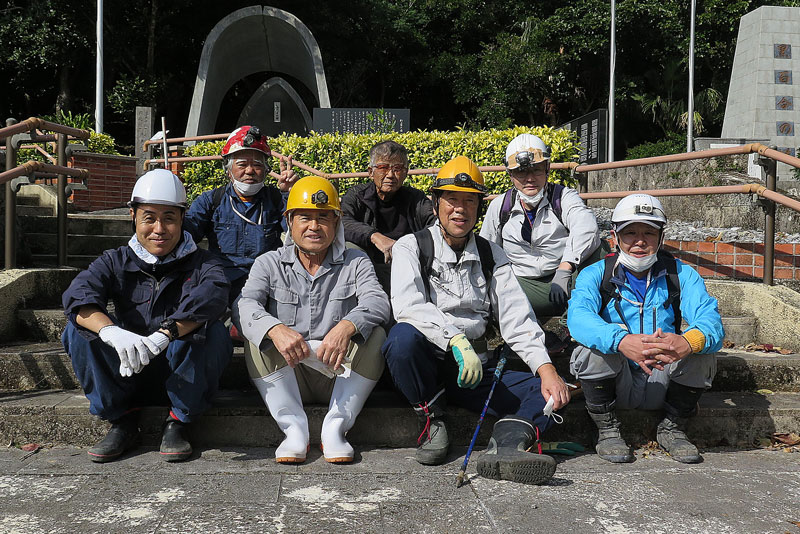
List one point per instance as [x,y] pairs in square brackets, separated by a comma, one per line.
[525,150]
[158,186]
[638,207]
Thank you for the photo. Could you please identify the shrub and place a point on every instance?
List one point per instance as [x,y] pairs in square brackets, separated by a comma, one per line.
[672,144]
[344,153]
[98,143]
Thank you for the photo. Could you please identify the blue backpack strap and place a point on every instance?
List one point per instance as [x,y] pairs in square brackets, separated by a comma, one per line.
[425,245]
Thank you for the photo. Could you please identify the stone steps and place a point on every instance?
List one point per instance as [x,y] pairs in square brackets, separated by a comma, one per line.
[77,244]
[240,419]
[39,366]
[80,223]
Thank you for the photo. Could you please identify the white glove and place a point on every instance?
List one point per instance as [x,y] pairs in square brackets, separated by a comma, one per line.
[156,343]
[131,349]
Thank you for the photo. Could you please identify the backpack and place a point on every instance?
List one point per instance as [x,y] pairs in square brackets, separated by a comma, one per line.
[552,191]
[425,245]
[608,291]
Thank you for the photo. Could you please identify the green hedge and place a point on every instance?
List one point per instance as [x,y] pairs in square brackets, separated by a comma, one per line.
[341,153]
[97,143]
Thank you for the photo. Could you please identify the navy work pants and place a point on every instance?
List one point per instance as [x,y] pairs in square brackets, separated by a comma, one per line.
[424,372]
[186,374]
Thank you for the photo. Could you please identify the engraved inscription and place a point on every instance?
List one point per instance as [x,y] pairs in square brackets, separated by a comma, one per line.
[785,128]
[783,76]
[783,51]
[785,103]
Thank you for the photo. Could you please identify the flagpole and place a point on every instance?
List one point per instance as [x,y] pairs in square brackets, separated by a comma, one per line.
[98,92]
[690,121]
[611,87]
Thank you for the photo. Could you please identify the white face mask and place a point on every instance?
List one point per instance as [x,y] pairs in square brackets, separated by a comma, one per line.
[246,189]
[635,264]
[531,200]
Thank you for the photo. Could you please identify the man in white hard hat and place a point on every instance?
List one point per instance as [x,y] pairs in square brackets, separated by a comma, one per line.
[312,313]
[163,342]
[545,229]
[626,313]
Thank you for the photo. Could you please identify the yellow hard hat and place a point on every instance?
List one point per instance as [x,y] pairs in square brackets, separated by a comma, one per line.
[312,193]
[460,174]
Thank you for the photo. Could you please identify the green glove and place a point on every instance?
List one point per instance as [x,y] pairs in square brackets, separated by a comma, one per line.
[567,448]
[470,370]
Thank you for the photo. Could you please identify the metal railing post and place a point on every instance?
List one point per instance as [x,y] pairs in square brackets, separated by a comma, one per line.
[11,203]
[61,213]
[769,224]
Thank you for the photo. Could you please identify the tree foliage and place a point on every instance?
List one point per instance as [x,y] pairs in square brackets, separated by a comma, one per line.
[467,63]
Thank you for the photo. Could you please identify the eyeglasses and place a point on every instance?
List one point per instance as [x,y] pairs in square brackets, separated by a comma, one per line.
[383,168]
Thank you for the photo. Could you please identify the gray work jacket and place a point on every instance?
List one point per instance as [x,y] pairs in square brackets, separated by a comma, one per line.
[552,241]
[280,290]
[460,298]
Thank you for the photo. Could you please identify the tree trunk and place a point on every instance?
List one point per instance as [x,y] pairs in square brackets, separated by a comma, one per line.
[151,39]
[64,98]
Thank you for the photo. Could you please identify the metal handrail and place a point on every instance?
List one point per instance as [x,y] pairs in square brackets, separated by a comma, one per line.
[34,123]
[32,167]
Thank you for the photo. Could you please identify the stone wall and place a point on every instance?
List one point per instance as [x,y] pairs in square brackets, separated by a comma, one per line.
[724,211]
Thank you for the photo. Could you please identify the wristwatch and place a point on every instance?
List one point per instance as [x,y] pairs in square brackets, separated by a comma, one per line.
[172,327]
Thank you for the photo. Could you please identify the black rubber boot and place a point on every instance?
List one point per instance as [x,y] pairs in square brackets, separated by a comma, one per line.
[680,404]
[174,445]
[507,458]
[123,435]
[433,443]
[601,398]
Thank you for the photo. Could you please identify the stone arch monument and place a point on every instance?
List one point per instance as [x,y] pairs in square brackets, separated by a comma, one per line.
[251,40]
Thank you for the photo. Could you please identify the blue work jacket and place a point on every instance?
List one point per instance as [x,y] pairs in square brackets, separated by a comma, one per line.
[192,288]
[236,241]
[602,330]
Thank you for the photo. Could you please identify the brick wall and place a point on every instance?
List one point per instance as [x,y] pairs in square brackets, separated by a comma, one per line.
[111,180]
[743,261]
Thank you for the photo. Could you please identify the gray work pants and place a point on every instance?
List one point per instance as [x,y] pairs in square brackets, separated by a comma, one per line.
[635,389]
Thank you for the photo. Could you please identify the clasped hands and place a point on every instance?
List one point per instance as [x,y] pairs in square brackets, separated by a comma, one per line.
[134,351]
[654,350]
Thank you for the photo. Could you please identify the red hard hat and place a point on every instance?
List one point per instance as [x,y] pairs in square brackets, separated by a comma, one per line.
[246,138]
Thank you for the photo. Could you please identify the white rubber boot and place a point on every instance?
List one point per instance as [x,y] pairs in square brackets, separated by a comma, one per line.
[348,397]
[282,396]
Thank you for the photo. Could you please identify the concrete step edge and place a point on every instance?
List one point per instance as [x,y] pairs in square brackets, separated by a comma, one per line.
[240,419]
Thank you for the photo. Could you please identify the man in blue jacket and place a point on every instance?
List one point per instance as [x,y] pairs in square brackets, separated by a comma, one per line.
[163,341]
[244,218]
[626,313]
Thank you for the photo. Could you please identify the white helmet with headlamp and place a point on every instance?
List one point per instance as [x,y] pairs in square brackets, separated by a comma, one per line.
[639,208]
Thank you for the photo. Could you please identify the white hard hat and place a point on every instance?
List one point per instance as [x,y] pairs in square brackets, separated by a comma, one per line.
[525,150]
[158,186]
[638,207]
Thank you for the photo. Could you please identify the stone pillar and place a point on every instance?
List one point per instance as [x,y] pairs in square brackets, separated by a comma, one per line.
[145,121]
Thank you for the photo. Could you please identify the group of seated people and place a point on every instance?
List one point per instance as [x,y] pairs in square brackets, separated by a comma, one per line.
[388,278]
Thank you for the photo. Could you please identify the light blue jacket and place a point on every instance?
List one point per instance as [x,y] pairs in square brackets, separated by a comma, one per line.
[602,330]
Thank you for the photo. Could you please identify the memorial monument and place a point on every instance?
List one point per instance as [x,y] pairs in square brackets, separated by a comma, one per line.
[252,40]
[764,94]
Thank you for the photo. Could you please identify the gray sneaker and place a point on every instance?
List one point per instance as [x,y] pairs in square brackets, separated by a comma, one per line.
[433,442]
[671,435]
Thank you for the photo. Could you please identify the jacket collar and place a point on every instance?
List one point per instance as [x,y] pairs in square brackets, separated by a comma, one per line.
[448,255]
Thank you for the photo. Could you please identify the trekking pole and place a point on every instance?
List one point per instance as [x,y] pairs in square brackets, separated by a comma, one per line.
[497,372]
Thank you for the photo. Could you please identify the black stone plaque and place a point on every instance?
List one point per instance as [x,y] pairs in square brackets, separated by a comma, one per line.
[361,120]
[592,130]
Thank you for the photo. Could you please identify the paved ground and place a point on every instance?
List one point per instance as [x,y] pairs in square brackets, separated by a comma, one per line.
[242,490]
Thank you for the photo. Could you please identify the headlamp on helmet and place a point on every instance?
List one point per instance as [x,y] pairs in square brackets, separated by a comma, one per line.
[320,197]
